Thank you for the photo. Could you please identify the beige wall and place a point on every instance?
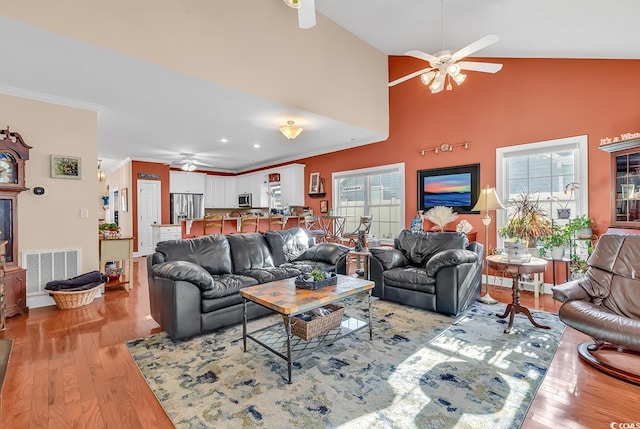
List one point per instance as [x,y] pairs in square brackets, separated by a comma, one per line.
[120,179]
[251,45]
[52,221]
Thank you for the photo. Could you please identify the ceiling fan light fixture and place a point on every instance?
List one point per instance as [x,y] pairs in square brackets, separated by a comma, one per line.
[290,131]
[459,78]
[438,83]
[453,70]
[188,166]
[426,78]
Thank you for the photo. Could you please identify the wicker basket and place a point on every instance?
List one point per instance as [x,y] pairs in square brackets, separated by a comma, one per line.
[317,325]
[66,300]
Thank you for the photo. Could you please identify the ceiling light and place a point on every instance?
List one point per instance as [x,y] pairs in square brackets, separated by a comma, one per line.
[256,145]
[438,83]
[290,130]
[459,78]
[223,140]
[188,166]
[427,77]
[101,175]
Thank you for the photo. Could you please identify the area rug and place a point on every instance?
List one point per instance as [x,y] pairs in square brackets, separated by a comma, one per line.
[421,370]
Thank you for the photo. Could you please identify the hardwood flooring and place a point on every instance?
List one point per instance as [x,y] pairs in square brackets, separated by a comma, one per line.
[71,369]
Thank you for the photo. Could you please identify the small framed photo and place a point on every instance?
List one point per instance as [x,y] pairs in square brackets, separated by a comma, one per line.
[314,183]
[324,206]
[65,167]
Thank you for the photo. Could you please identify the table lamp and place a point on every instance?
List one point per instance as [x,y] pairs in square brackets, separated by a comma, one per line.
[487,200]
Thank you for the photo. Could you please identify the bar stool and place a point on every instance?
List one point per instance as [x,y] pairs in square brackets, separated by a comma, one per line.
[249,223]
[212,222]
[277,222]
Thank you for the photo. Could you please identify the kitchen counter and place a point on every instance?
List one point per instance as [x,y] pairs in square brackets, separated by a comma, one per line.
[193,227]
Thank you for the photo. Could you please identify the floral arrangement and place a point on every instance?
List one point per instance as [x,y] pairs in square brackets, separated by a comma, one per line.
[440,216]
[464,226]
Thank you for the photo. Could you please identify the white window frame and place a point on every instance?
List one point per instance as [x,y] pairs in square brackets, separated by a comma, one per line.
[581,171]
[337,175]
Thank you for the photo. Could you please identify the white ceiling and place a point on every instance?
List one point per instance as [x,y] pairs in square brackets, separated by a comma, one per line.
[166,113]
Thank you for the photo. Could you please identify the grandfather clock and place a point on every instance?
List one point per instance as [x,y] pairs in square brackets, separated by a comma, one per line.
[13,154]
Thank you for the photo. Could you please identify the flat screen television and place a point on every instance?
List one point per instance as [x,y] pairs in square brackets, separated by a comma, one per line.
[455,187]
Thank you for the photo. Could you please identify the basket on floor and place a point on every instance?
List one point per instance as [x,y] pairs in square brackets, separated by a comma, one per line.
[318,325]
[66,300]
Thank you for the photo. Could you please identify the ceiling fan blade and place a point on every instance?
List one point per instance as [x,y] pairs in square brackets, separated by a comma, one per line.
[307,14]
[481,67]
[481,43]
[409,76]
[422,56]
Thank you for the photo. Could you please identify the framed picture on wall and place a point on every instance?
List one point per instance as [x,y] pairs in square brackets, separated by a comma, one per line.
[324,206]
[314,183]
[65,167]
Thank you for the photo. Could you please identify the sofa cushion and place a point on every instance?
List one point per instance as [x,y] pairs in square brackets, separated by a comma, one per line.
[324,252]
[271,274]
[249,251]
[228,284]
[412,278]
[209,305]
[286,245]
[212,252]
[420,246]
[184,271]
[449,258]
[389,258]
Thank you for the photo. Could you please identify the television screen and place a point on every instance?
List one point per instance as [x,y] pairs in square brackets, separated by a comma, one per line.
[455,187]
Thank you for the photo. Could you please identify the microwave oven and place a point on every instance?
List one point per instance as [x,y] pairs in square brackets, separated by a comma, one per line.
[244,200]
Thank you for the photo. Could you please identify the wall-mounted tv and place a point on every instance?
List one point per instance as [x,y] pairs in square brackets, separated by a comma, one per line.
[455,187]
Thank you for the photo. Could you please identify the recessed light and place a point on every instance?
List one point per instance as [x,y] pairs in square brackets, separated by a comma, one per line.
[223,140]
[256,145]
[352,139]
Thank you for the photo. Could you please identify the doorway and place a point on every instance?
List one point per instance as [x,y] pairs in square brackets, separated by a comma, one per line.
[149,198]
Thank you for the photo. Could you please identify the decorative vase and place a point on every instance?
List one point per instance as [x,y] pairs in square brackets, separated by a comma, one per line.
[557,252]
[564,213]
[584,233]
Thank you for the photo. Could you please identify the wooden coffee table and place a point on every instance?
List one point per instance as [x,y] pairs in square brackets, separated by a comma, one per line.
[284,298]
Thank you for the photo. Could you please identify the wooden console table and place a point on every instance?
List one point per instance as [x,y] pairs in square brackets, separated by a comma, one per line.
[120,251]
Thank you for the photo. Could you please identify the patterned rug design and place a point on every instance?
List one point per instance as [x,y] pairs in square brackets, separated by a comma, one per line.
[422,370]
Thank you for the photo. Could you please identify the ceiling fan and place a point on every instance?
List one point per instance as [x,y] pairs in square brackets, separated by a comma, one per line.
[445,66]
[306,12]
[189,163]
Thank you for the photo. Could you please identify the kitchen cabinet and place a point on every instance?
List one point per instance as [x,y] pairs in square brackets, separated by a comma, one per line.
[186,182]
[220,192]
[256,185]
[291,184]
[166,232]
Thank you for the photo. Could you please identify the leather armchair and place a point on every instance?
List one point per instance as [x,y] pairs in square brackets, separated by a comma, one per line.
[605,303]
[439,272]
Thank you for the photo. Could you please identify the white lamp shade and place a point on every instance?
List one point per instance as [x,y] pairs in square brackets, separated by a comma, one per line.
[488,200]
[290,130]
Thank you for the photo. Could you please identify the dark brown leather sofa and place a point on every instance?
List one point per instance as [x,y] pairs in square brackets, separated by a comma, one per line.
[605,303]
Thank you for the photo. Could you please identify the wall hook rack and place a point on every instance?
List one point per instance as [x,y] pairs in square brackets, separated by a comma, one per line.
[445,147]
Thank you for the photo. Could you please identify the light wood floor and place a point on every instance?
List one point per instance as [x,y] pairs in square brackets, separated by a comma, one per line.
[70,369]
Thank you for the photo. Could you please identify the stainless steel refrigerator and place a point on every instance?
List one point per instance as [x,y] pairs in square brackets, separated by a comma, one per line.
[186,206]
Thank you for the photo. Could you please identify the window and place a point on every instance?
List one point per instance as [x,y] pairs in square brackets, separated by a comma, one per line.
[377,191]
[545,169]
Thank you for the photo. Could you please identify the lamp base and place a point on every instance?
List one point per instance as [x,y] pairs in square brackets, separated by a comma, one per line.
[486,299]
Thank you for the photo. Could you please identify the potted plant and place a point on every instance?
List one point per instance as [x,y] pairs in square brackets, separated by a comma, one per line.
[578,266]
[528,221]
[108,228]
[564,212]
[581,226]
[553,244]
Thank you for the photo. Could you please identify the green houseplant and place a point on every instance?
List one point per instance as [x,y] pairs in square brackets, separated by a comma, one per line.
[554,243]
[528,220]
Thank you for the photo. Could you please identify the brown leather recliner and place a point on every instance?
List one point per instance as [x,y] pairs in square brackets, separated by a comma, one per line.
[605,303]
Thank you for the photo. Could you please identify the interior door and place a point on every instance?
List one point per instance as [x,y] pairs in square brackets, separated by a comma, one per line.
[148,214]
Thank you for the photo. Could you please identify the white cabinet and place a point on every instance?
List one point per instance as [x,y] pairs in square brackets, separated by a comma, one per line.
[291,184]
[259,188]
[186,182]
[220,192]
[166,232]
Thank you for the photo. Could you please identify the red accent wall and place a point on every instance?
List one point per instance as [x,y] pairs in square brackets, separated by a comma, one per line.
[529,100]
[149,168]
